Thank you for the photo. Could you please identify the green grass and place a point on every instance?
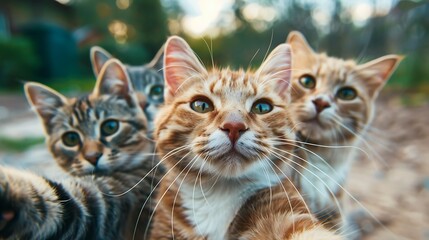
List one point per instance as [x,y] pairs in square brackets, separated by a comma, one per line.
[19,145]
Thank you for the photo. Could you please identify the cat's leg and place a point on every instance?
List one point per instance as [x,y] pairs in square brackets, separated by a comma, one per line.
[316,232]
[28,205]
[33,207]
[279,213]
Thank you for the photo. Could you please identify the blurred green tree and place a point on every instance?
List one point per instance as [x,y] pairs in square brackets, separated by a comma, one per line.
[132,30]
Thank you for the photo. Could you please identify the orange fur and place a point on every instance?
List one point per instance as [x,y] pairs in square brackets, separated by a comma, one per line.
[338,122]
[209,177]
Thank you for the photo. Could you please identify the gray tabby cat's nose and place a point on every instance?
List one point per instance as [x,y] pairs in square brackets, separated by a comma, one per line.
[93,157]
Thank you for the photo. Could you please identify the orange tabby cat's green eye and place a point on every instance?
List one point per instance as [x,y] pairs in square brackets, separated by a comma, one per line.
[202,106]
[71,139]
[261,107]
[109,127]
[307,81]
[346,93]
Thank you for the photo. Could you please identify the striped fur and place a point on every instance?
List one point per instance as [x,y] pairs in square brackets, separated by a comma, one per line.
[210,176]
[88,207]
[103,196]
[147,80]
[342,123]
[277,213]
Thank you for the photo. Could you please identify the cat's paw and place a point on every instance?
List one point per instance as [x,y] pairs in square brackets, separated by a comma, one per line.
[7,213]
[5,218]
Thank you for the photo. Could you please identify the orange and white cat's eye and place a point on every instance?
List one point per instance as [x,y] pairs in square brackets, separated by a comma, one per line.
[307,81]
[261,107]
[109,127]
[346,93]
[70,139]
[202,105]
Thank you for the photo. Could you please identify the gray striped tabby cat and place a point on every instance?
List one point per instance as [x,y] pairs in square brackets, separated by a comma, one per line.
[101,140]
[147,80]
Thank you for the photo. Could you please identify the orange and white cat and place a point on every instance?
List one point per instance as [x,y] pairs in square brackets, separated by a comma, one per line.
[217,135]
[332,105]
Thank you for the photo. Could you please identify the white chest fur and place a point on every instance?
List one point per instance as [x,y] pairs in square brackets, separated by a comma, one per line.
[212,208]
[212,211]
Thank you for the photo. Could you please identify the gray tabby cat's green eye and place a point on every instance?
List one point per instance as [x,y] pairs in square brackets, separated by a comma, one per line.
[307,81]
[202,106]
[109,127]
[346,93]
[71,139]
[261,107]
[156,90]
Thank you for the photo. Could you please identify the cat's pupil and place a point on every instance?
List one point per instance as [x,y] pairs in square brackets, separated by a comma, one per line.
[156,90]
[347,93]
[201,106]
[109,127]
[262,108]
[70,139]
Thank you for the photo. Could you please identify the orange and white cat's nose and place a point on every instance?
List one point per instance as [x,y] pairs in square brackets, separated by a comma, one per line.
[234,130]
[320,104]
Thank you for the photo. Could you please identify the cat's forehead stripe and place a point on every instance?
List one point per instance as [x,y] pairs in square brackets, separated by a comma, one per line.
[237,81]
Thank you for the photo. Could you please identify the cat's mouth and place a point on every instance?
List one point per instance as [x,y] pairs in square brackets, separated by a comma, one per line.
[314,121]
[234,152]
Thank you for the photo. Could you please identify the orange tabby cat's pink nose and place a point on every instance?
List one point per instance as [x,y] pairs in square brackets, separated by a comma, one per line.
[320,104]
[234,129]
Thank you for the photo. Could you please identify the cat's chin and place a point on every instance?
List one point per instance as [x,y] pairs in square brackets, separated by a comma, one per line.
[232,164]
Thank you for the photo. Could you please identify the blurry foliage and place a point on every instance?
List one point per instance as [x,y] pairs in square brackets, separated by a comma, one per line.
[134,34]
[19,145]
[18,61]
[73,86]
[404,30]
[134,30]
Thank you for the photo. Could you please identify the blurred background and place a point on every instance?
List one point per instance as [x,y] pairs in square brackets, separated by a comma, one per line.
[49,40]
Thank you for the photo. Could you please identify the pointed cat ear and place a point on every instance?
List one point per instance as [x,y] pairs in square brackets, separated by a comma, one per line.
[302,52]
[180,63]
[99,57]
[277,67]
[113,80]
[158,61]
[299,43]
[378,71]
[45,101]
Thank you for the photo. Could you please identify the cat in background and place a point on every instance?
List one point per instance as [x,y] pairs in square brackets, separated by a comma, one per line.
[101,140]
[217,135]
[332,105]
[147,80]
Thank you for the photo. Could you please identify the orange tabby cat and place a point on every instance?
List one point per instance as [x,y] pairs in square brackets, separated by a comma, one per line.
[217,135]
[332,104]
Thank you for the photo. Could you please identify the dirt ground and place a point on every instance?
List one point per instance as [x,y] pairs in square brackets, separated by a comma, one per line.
[391,182]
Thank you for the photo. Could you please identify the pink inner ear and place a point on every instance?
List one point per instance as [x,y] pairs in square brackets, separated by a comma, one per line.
[179,63]
[387,69]
[277,67]
[171,77]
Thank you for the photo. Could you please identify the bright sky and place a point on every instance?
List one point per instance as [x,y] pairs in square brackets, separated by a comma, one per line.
[202,15]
